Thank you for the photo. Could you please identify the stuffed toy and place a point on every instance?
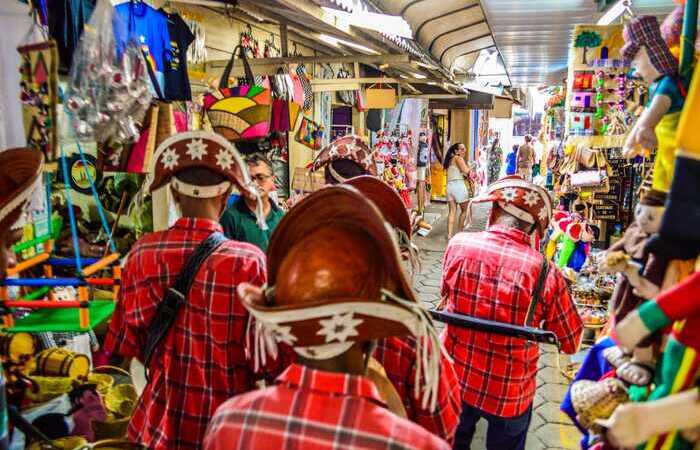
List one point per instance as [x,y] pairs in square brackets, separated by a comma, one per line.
[646,49]
[573,232]
[643,274]
[679,369]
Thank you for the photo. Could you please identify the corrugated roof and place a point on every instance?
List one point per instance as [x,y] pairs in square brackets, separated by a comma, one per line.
[533,36]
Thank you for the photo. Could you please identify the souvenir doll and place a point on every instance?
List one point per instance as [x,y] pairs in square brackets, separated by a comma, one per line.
[656,128]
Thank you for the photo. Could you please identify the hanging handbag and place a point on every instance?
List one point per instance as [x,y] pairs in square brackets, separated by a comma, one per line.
[306,86]
[280,85]
[242,112]
[309,134]
[280,116]
[380,98]
[294,114]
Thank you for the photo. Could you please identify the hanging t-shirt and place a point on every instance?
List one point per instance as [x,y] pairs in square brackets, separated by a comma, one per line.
[151,29]
[177,82]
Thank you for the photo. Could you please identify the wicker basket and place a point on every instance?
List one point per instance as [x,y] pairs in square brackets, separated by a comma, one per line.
[121,400]
[112,428]
[65,443]
[597,400]
[103,381]
[49,387]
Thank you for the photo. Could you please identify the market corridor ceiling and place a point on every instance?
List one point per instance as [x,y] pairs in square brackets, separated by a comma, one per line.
[533,36]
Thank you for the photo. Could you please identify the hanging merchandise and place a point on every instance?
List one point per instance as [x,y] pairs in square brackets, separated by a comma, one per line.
[149,27]
[39,77]
[310,134]
[66,22]
[108,91]
[242,112]
[306,86]
[379,97]
[177,81]
[197,52]
[346,97]
[279,120]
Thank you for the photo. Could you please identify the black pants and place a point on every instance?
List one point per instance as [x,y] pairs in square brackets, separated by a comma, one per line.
[504,433]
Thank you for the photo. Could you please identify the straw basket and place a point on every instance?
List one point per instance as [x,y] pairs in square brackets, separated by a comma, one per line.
[103,381]
[121,400]
[59,362]
[14,346]
[65,443]
[597,400]
[112,428]
[113,444]
[49,387]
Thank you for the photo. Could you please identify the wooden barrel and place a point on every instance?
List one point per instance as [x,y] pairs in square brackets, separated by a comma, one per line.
[60,362]
[14,346]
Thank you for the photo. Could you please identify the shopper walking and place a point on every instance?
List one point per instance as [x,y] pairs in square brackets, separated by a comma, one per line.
[239,221]
[200,360]
[497,275]
[457,193]
[495,161]
[526,158]
[326,400]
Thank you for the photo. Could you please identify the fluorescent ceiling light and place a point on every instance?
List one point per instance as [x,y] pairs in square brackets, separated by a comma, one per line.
[381,23]
[419,76]
[334,41]
[614,12]
[426,66]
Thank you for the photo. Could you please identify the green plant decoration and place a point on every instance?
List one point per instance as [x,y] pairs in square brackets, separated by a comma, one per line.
[586,40]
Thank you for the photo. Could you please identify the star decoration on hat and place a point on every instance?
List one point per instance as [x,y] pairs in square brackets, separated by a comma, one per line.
[542,215]
[224,159]
[510,194]
[282,334]
[196,149]
[531,198]
[170,158]
[339,327]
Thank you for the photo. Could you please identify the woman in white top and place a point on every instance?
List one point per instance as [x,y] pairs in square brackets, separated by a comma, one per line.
[457,193]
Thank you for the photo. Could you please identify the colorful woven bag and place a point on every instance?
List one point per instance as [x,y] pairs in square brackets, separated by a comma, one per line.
[309,134]
[240,113]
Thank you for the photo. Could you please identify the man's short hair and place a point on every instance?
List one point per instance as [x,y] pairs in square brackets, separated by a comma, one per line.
[200,176]
[258,158]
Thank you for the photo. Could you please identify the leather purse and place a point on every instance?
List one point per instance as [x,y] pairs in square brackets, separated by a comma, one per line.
[239,113]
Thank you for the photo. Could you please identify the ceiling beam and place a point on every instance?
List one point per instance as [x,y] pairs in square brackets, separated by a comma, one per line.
[420,27]
[362,59]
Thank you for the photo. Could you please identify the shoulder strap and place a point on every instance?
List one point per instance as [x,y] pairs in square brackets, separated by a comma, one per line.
[175,296]
[537,293]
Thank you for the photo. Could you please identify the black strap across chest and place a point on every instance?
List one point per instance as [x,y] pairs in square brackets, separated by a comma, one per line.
[175,296]
[537,293]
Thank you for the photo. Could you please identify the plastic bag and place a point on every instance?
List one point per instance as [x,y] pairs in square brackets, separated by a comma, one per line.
[108,90]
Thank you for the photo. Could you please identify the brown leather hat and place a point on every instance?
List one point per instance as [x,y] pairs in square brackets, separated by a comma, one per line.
[20,170]
[336,278]
[347,147]
[386,199]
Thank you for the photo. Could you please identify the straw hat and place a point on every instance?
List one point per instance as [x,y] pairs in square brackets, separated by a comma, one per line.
[336,278]
[20,174]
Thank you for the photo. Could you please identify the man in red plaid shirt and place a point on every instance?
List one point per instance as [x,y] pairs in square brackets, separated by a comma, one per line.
[493,275]
[336,287]
[201,362]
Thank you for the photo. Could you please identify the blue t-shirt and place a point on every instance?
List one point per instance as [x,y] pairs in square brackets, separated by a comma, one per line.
[673,88]
[150,27]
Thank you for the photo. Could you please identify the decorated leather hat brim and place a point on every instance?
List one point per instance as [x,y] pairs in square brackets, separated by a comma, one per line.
[386,199]
[204,149]
[349,147]
[20,172]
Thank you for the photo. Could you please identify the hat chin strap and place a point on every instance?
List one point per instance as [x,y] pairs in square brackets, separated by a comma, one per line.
[192,190]
[336,176]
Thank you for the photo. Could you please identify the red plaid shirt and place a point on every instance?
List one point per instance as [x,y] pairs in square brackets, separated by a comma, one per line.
[491,275]
[201,363]
[398,356]
[314,410]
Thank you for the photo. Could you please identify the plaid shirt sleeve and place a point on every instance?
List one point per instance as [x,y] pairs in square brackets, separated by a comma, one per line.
[561,316]
[123,338]
[398,357]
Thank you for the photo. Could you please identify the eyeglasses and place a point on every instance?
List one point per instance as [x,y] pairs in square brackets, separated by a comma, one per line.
[261,177]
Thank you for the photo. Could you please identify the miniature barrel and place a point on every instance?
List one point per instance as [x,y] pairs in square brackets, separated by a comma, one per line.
[16,345]
[60,362]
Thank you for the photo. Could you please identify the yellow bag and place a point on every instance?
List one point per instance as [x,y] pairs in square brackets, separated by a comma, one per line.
[380,98]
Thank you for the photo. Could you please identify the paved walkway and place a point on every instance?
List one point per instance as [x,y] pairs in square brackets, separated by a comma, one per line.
[550,429]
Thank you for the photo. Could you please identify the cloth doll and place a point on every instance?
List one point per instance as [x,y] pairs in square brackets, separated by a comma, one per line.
[573,232]
[656,128]
[680,364]
[643,274]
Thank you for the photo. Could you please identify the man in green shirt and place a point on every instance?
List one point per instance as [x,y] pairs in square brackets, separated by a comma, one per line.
[239,222]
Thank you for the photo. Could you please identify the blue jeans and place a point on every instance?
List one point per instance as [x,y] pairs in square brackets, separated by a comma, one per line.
[504,433]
